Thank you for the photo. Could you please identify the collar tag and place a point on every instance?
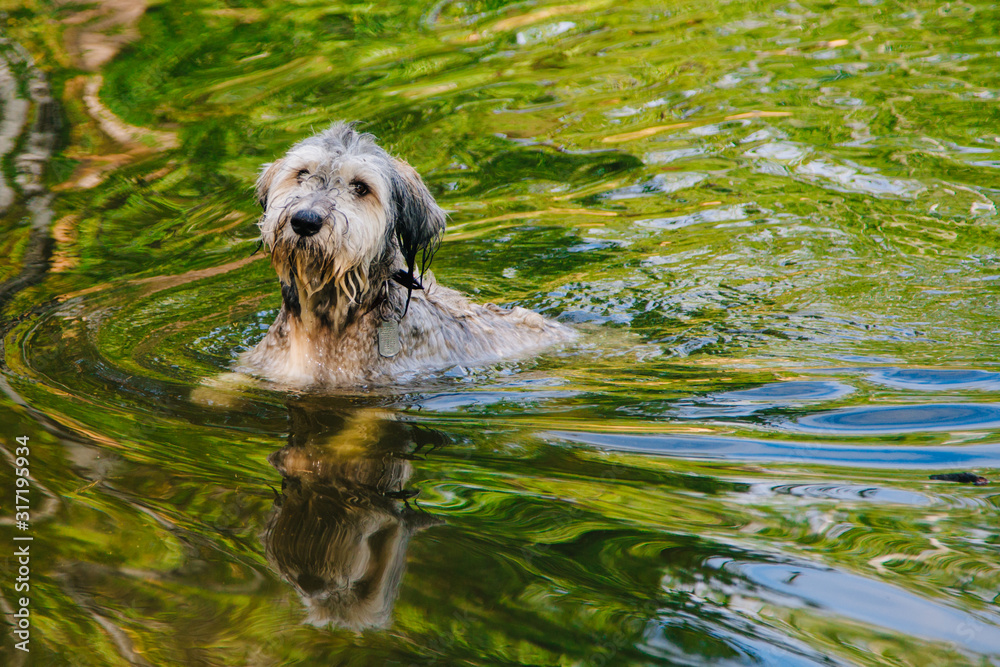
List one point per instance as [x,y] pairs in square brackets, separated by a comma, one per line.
[388,338]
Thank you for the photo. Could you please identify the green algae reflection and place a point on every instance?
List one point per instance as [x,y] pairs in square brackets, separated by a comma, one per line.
[772,223]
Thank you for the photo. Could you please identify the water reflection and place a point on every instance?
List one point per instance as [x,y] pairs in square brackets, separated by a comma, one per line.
[746,402]
[872,420]
[790,392]
[339,530]
[728,195]
[846,493]
[864,600]
[936,379]
[746,449]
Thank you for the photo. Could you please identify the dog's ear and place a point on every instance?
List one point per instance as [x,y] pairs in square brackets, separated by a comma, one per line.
[267,174]
[419,220]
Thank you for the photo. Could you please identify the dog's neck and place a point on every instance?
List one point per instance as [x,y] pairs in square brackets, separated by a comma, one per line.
[338,306]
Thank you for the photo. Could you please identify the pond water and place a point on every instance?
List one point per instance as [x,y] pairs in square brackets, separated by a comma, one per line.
[773,223]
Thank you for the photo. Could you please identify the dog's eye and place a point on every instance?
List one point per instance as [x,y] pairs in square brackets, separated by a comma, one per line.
[360,189]
[302,175]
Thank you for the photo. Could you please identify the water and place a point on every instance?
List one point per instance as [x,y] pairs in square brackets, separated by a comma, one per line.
[774,225]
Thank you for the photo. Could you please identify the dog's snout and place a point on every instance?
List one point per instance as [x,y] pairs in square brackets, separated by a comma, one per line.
[306,223]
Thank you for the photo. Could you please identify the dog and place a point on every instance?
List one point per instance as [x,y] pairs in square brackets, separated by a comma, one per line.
[351,231]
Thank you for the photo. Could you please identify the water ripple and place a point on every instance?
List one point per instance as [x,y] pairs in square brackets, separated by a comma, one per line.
[889,420]
[866,600]
[935,379]
[746,449]
[787,392]
[845,492]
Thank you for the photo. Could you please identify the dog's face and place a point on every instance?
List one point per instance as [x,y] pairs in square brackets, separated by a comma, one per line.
[338,206]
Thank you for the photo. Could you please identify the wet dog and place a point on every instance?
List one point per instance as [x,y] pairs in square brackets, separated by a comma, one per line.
[351,231]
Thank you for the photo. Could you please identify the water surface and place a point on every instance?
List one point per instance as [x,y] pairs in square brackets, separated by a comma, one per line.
[774,225]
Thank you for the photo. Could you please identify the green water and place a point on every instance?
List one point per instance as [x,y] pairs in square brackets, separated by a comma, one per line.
[774,225]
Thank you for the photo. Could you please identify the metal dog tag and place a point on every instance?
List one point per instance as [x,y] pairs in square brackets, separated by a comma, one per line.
[388,338]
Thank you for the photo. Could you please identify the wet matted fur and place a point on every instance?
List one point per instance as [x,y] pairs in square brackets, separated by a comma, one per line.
[351,230]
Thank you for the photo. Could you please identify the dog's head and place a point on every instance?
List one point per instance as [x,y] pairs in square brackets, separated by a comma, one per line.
[338,208]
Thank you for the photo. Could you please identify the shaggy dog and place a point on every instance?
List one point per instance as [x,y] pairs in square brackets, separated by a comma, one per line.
[351,230]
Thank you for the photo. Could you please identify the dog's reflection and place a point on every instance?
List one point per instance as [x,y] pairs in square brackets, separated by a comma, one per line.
[339,530]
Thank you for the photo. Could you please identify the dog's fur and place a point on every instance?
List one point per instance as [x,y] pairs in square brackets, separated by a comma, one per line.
[377,220]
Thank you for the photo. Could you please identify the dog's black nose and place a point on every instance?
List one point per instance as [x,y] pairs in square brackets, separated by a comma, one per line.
[306,223]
